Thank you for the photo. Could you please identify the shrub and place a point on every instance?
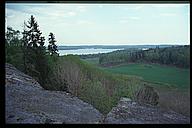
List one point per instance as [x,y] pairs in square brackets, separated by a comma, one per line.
[91,84]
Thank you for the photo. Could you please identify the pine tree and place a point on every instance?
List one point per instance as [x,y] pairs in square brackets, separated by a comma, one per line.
[52,47]
[34,51]
[41,62]
[33,33]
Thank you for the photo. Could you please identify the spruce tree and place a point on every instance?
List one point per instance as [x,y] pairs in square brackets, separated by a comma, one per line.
[34,51]
[41,61]
[52,48]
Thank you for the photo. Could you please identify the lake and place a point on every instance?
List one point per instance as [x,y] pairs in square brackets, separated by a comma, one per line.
[86,51]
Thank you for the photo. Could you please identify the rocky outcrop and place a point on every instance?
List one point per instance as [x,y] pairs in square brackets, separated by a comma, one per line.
[27,102]
[130,112]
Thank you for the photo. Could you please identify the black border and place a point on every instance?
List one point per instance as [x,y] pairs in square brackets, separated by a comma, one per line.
[2,69]
[103,2]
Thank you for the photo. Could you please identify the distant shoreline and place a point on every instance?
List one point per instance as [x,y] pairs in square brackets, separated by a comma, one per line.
[111,46]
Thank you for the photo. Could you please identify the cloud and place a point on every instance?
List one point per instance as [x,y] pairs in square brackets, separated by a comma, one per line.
[134,18]
[138,7]
[84,22]
[81,8]
[45,13]
[100,6]
[126,19]
[132,7]
[16,18]
[169,5]
[167,14]
[69,24]
[123,21]
[52,10]
[72,13]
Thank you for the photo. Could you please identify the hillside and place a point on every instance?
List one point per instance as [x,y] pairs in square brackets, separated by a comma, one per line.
[28,102]
[91,84]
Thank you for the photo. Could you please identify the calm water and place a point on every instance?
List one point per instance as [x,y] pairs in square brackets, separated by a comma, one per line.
[85,51]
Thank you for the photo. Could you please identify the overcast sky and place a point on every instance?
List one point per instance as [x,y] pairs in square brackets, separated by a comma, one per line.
[106,24]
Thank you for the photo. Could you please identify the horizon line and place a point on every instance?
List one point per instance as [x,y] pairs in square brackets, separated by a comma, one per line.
[118,44]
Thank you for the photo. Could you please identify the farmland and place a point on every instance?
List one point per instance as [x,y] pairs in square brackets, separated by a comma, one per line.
[156,73]
[176,77]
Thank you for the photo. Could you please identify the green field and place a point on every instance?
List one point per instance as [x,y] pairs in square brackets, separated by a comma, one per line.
[172,84]
[177,77]
[94,61]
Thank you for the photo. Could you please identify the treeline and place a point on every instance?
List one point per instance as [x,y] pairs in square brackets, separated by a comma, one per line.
[26,50]
[128,49]
[175,55]
[109,46]
[110,54]
[116,57]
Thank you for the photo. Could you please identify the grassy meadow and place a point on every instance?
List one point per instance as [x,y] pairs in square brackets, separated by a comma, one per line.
[172,84]
[176,77]
[155,73]
[94,61]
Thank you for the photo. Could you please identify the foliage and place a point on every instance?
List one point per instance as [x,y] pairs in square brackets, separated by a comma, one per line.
[12,37]
[35,61]
[13,48]
[29,53]
[93,85]
[177,56]
[52,47]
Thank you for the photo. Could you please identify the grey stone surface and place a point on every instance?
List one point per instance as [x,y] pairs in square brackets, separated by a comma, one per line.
[27,102]
[131,112]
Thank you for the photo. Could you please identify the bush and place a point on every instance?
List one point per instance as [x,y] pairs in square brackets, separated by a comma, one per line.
[14,55]
[94,93]
[91,84]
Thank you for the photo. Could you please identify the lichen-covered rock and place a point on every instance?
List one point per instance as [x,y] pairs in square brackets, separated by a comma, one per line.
[27,102]
[130,112]
[147,95]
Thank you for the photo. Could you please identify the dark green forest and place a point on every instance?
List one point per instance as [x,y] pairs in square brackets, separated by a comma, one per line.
[26,50]
[176,56]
